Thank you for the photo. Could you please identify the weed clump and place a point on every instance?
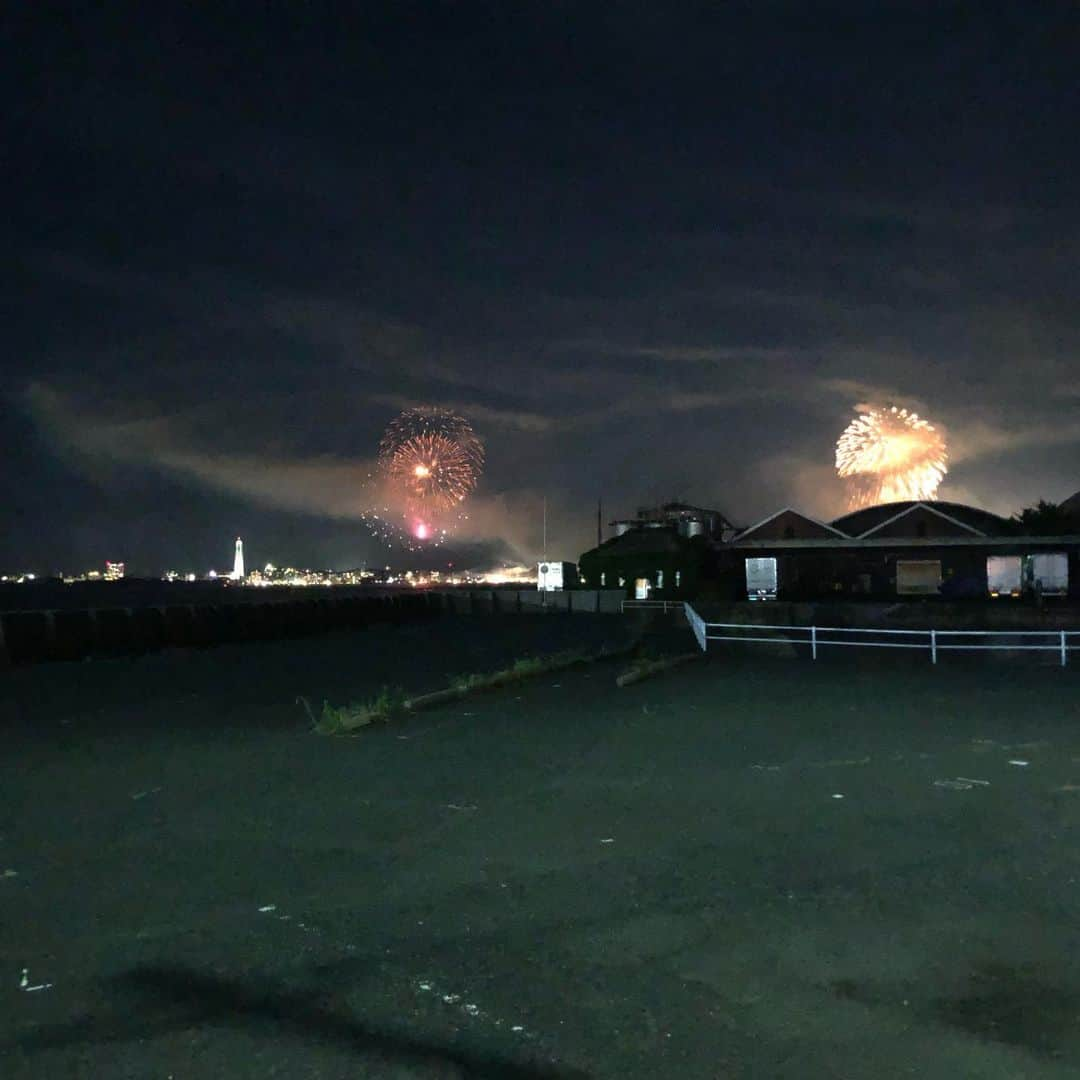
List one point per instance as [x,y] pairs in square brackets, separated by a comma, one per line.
[525,667]
[342,719]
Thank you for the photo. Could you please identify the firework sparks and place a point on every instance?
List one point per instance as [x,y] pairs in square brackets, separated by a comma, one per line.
[890,454]
[432,458]
[429,463]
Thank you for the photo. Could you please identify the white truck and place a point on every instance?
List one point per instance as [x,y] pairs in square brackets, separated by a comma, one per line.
[1004,575]
[761,579]
[1048,573]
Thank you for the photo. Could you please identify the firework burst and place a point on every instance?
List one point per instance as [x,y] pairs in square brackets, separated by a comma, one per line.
[432,458]
[890,454]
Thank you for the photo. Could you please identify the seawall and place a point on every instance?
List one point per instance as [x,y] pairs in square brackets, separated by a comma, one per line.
[37,635]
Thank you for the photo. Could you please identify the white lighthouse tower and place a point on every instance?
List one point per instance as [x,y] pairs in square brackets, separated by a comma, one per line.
[238,561]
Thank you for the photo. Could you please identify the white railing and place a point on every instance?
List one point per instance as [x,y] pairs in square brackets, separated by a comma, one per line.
[933,641]
[654,605]
[697,624]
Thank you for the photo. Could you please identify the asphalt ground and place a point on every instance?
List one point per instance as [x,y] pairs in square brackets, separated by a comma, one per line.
[756,866]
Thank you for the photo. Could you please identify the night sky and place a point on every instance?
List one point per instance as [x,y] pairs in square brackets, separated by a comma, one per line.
[649,254]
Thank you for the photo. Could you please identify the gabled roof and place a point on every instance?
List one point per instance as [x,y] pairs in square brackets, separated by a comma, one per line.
[922,506]
[867,521]
[1072,504]
[788,510]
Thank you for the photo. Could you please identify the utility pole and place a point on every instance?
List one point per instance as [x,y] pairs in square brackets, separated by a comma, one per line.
[545,528]
[599,522]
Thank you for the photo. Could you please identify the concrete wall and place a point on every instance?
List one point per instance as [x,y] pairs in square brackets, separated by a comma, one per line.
[69,634]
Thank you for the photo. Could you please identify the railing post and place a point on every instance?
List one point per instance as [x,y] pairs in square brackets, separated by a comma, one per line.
[1063,649]
[933,646]
[813,642]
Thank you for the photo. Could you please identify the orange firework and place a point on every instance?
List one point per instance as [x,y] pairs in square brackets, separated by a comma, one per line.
[890,454]
[433,457]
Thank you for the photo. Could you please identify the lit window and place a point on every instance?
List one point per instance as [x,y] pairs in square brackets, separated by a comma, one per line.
[678,578]
[603,579]
[659,579]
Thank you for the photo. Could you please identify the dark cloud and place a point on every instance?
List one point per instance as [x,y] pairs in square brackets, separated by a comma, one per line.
[648,255]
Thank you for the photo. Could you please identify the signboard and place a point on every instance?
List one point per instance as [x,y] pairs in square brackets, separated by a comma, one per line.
[549,577]
[918,577]
[761,579]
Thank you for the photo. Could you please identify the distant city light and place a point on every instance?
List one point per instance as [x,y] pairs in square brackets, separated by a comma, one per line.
[272,575]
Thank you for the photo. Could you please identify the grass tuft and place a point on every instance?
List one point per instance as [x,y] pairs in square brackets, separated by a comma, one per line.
[527,667]
[342,719]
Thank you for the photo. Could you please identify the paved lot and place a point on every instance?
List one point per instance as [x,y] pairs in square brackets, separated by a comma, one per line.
[560,880]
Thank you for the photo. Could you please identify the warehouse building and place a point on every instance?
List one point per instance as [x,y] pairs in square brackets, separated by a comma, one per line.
[905,549]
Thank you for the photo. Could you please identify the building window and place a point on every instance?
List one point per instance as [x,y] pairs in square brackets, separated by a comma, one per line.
[659,579]
[603,579]
[678,578]
[622,583]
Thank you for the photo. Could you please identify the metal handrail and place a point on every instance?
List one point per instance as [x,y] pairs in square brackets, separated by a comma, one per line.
[666,605]
[1063,641]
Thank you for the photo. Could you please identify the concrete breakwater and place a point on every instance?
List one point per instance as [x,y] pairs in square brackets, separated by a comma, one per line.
[70,633]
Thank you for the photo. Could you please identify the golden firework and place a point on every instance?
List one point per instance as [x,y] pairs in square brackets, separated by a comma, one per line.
[889,455]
